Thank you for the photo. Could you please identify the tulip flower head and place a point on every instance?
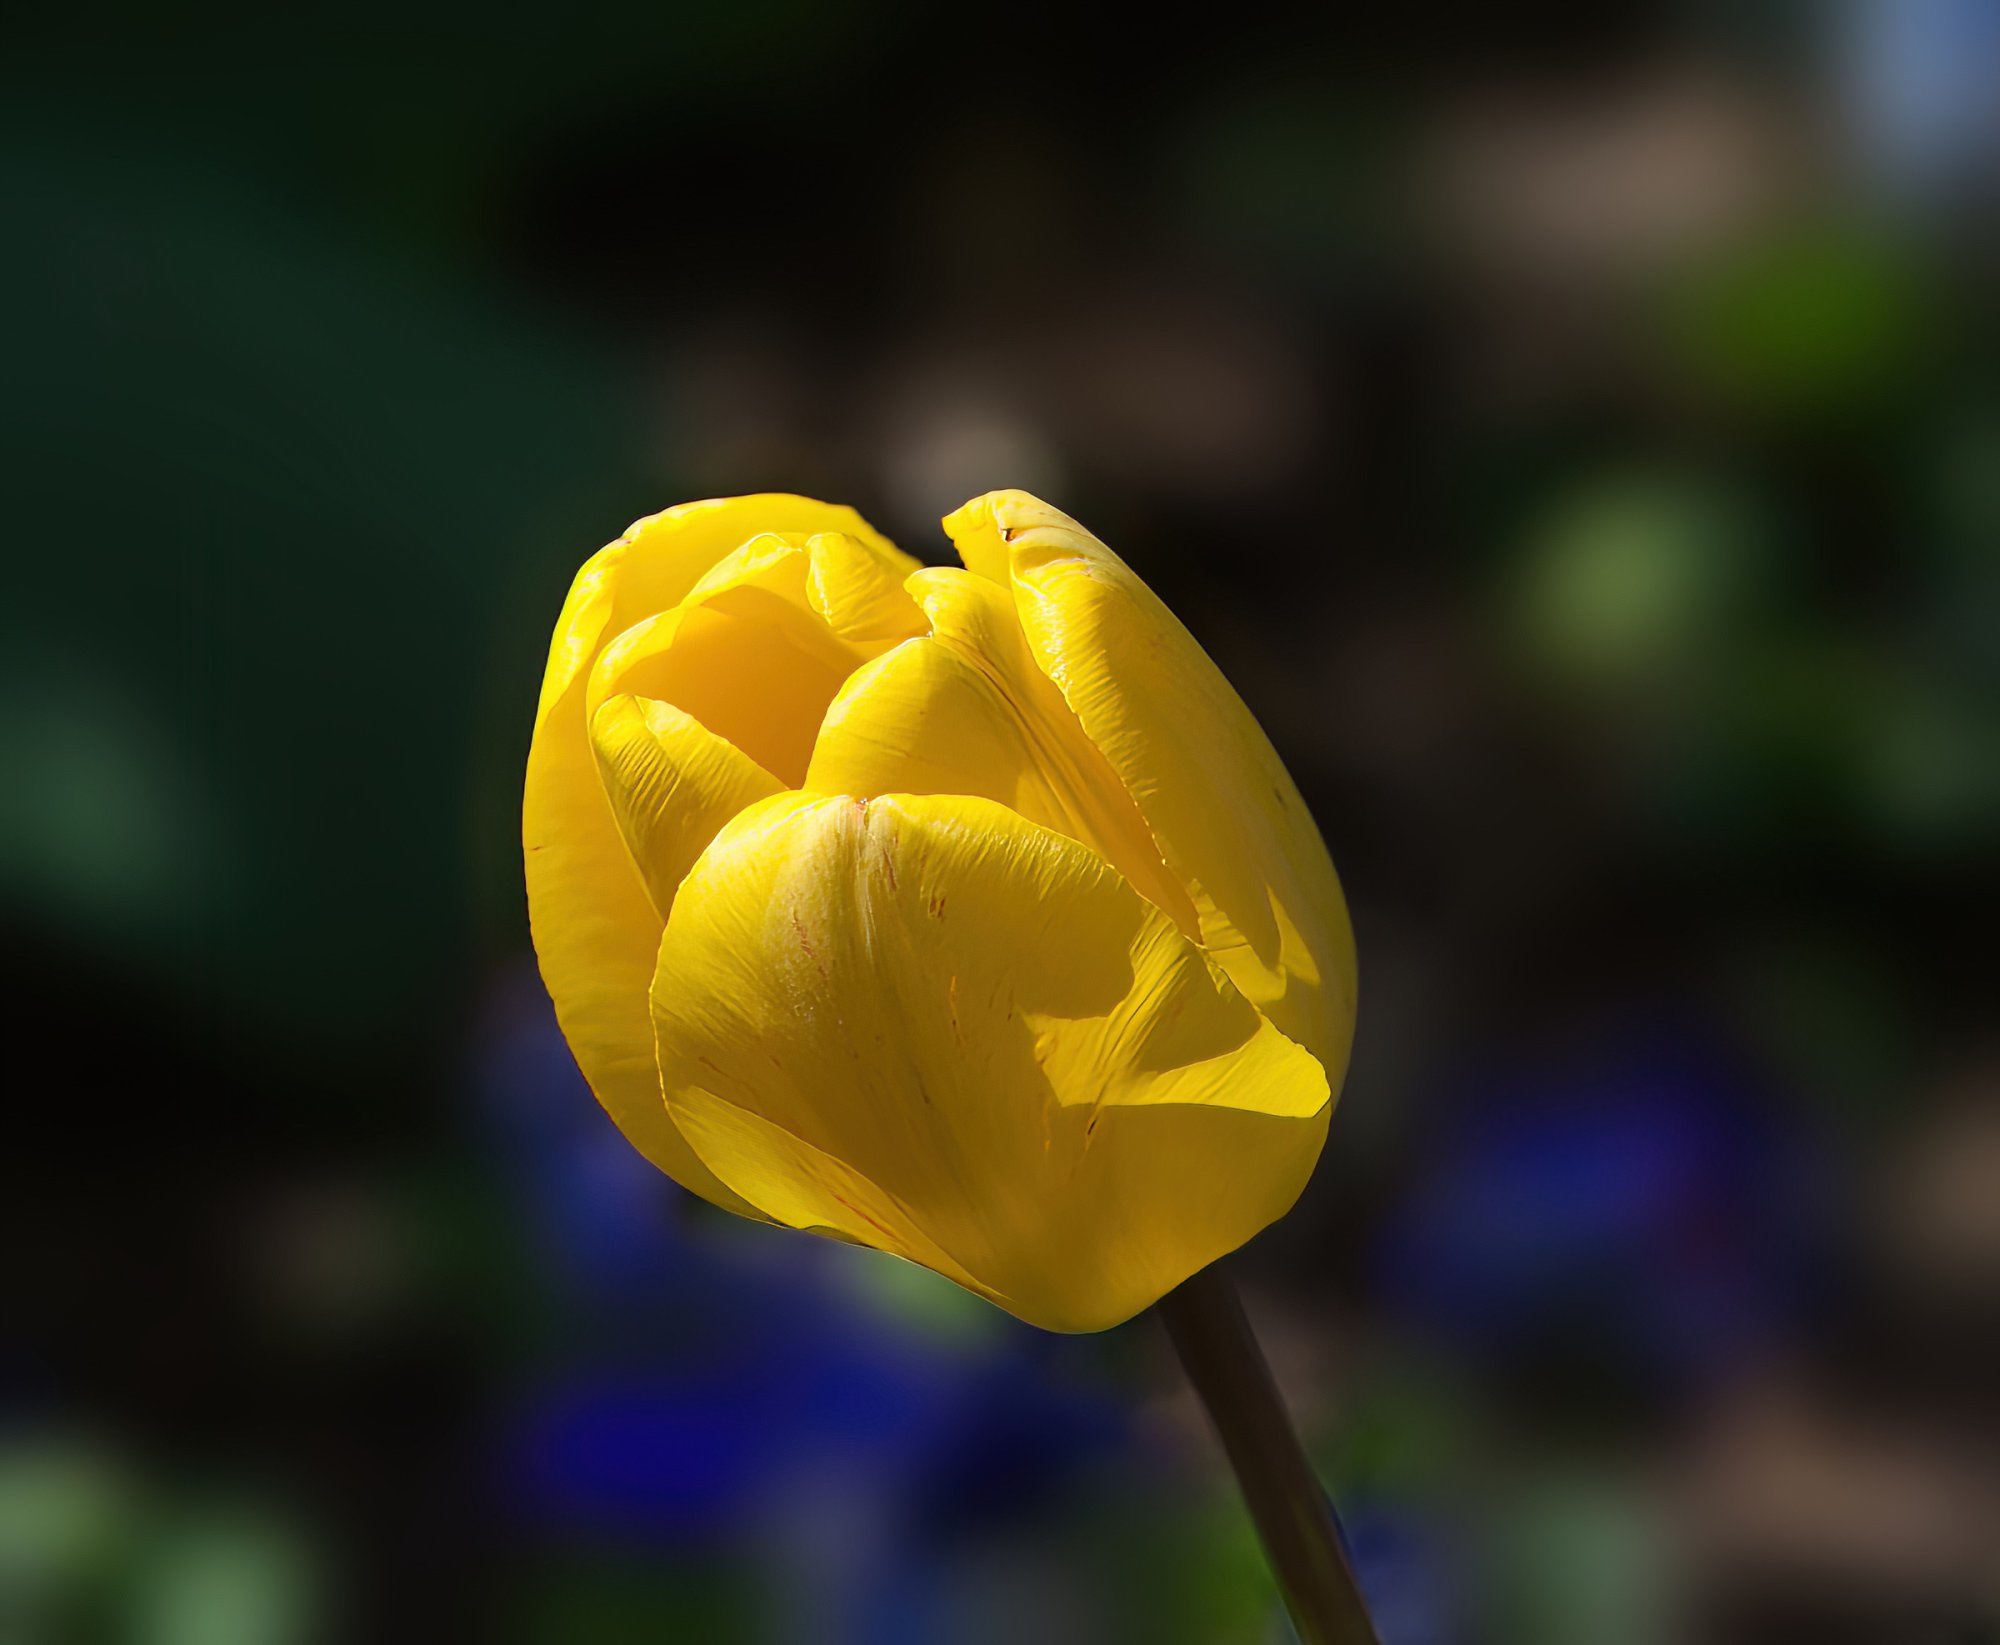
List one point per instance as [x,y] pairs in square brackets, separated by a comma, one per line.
[962,912]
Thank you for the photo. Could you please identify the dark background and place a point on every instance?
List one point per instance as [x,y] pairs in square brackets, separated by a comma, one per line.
[1577,433]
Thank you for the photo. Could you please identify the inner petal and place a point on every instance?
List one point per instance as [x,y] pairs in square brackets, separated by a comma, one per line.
[672,784]
[966,711]
[761,680]
[762,644]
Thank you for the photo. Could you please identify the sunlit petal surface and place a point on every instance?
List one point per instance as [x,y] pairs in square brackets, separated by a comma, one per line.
[928,1025]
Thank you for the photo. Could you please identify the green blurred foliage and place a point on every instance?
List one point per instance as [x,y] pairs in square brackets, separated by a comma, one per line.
[286,493]
[1820,322]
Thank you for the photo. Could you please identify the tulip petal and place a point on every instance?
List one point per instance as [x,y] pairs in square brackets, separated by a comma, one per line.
[752,654]
[660,558]
[966,711]
[673,783]
[596,931]
[1005,1048]
[803,1187]
[858,586]
[1225,813]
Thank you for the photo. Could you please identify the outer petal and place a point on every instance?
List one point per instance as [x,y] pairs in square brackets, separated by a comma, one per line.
[595,930]
[928,1025]
[1226,814]
[966,711]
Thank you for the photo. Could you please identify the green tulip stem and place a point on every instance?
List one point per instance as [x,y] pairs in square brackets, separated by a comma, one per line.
[1293,1515]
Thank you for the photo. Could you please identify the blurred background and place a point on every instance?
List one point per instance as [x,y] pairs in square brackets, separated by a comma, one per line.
[1576,432]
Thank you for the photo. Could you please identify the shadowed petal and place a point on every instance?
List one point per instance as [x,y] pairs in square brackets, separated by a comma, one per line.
[673,784]
[1225,813]
[762,643]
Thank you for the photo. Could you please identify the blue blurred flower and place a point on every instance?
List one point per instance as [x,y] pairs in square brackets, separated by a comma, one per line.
[1638,1199]
[708,1376]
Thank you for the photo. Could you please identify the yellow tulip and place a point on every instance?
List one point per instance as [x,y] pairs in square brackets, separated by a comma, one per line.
[965,913]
